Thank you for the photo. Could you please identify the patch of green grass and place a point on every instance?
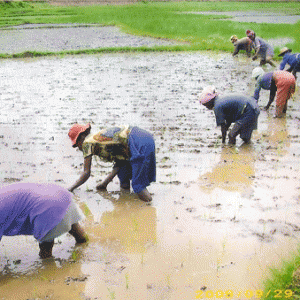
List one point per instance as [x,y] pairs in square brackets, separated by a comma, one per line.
[74,255]
[127,280]
[281,281]
[112,294]
[161,20]
[95,51]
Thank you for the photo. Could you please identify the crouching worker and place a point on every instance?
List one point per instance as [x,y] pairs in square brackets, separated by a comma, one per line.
[130,148]
[241,110]
[45,211]
[293,60]
[262,49]
[279,83]
[241,44]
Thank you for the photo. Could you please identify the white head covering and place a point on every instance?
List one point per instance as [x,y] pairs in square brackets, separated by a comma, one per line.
[258,71]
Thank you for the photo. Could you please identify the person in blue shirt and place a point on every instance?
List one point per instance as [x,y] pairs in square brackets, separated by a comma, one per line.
[279,83]
[263,81]
[239,109]
[293,60]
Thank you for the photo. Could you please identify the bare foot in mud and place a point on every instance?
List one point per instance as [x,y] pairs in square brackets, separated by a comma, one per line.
[144,195]
[101,187]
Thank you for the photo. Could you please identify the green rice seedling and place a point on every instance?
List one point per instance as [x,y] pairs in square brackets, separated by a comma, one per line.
[127,280]
[44,278]
[168,280]
[224,243]
[112,294]
[86,209]
[74,255]
[88,189]
[135,224]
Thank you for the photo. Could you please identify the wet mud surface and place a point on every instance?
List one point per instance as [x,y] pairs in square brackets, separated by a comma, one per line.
[255,16]
[220,216]
[54,37]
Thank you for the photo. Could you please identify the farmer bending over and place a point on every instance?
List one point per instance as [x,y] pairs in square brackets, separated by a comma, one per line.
[241,44]
[280,82]
[262,49]
[45,211]
[130,148]
[293,60]
[234,108]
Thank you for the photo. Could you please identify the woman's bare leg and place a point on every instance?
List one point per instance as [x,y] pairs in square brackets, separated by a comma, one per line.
[108,179]
[78,233]
[46,249]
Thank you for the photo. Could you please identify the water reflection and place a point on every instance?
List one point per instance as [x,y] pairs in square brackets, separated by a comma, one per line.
[129,227]
[234,171]
[276,136]
[65,274]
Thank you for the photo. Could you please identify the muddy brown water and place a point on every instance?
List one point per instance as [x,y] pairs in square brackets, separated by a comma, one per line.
[220,216]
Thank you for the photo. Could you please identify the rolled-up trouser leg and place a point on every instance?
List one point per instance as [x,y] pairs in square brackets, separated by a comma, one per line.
[235,130]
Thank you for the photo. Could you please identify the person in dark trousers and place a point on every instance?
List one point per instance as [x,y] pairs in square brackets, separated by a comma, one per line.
[130,148]
[240,110]
[45,211]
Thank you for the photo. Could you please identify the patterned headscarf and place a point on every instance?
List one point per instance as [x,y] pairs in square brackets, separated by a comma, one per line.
[208,94]
[250,33]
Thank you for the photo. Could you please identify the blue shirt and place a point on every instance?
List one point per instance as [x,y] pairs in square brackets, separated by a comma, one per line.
[263,82]
[290,59]
[229,108]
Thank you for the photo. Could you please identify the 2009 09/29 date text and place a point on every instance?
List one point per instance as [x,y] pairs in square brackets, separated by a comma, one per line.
[229,294]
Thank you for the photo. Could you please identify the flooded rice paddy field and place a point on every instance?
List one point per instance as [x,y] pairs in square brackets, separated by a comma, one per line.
[255,16]
[220,216]
[63,37]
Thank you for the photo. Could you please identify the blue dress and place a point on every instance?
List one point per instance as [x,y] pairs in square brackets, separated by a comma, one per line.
[141,167]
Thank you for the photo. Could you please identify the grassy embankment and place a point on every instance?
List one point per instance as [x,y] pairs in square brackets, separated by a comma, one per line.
[160,20]
[284,280]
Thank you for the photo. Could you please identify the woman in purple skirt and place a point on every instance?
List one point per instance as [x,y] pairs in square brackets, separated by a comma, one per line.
[45,211]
